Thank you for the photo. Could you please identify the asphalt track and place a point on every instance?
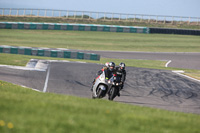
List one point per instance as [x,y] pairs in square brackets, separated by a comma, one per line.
[145,87]
[178,60]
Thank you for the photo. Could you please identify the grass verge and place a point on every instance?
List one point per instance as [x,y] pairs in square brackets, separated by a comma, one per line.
[24,110]
[22,60]
[87,40]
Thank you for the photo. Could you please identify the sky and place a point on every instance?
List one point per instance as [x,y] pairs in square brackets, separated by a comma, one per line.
[188,8]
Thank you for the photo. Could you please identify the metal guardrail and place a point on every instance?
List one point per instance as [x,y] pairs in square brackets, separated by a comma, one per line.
[104,16]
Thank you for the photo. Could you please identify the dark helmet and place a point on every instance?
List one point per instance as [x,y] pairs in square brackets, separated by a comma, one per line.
[122,65]
[111,64]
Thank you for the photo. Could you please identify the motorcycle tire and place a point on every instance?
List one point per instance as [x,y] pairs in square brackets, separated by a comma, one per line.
[100,92]
[112,93]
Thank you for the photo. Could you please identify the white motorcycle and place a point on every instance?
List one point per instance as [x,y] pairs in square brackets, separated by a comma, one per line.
[102,86]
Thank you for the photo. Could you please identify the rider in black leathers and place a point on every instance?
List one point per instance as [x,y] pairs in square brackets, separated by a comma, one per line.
[121,72]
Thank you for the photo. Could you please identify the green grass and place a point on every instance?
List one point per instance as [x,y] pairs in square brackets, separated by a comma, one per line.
[22,60]
[87,40]
[144,23]
[35,112]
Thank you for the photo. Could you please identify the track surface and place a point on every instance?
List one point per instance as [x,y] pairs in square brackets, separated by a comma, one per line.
[178,60]
[146,87]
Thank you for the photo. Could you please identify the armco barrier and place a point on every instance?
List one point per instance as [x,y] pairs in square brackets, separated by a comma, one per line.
[77,27]
[174,31]
[48,53]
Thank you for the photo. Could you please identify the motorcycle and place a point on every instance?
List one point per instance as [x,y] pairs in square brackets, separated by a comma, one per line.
[102,86]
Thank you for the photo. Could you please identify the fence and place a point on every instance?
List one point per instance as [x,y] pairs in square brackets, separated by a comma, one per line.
[102,16]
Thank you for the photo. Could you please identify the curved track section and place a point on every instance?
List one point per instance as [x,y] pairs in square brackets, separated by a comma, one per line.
[146,87]
[178,60]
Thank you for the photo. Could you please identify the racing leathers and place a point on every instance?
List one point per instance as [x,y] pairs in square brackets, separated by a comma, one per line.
[122,74]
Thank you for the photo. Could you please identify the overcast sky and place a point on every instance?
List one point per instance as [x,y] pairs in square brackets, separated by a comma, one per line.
[150,7]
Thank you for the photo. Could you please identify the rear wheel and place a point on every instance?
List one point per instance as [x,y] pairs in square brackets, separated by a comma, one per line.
[112,93]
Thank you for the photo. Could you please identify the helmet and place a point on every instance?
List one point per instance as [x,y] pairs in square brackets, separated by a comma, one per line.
[111,66]
[107,64]
[122,65]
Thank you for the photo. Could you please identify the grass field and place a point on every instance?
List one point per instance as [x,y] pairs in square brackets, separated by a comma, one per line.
[23,110]
[100,40]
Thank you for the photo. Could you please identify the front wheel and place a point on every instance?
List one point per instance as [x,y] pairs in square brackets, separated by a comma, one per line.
[112,93]
[100,92]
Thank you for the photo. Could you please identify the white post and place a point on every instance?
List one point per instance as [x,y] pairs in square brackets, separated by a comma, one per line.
[156,19]
[17,12]
[119,17]
[112,16]
[141,19]
[82,15]
[3,12]
[134,18]
[59,13]
[104,16]
[90,15]
[52,13]
[165,20]
[38,12]
[97,16]
[10,11]
[74,14]
[45,13]
[189,20]
[172,19]
[67,15]
[126,17]
[24,12]
[149,19]
[31,13]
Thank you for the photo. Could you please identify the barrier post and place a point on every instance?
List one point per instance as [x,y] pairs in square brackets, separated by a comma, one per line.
[31,12]
[189,20]
[74,15]
[3,12]
[38,12]
[24,12]
[10,12]
[45,13]
[82,15]
[52,13]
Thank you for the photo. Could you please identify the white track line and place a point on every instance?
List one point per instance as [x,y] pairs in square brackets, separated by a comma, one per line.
[47,79]
[21,68]
[180,73]
[30,88]
[166,65]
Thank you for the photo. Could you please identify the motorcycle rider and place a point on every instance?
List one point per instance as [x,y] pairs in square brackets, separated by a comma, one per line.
[121,72]
[108,69]
[104,68]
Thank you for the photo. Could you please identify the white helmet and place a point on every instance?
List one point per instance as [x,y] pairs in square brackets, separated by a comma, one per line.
[107,64]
